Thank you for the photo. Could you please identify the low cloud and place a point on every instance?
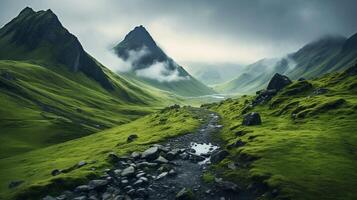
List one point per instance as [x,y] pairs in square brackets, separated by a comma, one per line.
[160,71]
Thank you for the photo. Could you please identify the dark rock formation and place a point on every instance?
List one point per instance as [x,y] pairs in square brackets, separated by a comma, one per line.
[278,82]
[251,119]
[218,156]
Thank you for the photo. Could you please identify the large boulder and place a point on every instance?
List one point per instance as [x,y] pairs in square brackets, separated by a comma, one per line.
[278,82]
[251,119]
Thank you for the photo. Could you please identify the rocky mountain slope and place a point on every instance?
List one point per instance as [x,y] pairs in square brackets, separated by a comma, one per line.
[150,64]
[328,54]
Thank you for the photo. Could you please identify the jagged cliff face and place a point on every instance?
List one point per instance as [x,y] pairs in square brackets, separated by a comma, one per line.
[40,36]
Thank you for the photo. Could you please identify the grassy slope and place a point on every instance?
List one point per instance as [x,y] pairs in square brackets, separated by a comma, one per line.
[35,167]
[42,103]
[186,88]
[311,157]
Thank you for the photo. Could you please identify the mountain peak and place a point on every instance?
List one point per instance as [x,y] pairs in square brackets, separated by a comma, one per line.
[43,33]
[27,11]
[139,37]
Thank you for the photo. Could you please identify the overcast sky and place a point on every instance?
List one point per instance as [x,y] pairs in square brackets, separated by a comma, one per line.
[200,31]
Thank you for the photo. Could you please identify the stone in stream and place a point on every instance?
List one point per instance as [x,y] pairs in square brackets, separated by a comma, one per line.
[251,119]
[171,155]
[162,175]
[82,188]
[235,144]
[151,154]
[172,172]
[161,160]
[97,184]
[218,156]
[80,198]
[135,155]
[184,194]
[48,197]
[129,171]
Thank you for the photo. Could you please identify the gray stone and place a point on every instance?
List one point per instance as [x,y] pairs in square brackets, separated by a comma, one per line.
[135,155]
[252,119]
[184,194]
[95,184]
[227,185]
[151,153]
[162,175]
[81,198]
[81,163]
[55,172]
[129,171]
[83,188]
[161,160]
[48,197]
[218,156]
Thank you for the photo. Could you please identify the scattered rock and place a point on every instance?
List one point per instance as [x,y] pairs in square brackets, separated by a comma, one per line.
[48,197]
[302,79]
[161,160]
[171,155]
[80,198]
[278,82]
[55,172]
[162,175]
[227,185]
[172,172]
[264,96]
[135,155]
[129,171]
[319,91]
[218,156]
[184,194]
[82,188]
[97,184]
[81,163]
[151,153]
[14,184]
[251,119]
[235,144]
[132,137]
[112,157]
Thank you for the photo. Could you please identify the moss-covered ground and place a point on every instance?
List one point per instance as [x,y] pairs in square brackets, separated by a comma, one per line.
[306,146]
[34,167]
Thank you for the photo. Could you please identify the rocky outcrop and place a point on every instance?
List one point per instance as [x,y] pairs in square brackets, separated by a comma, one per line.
[251,119]
[278,82]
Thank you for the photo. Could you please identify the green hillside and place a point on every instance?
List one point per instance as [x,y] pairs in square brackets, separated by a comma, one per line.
[34,168]
[305,147]
[328,54]
[48,96]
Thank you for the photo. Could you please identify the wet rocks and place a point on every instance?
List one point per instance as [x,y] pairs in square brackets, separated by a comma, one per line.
[278,82]
[129,171]
[131,138]
[218,156]
[235,144]
[161,160]
[113,158]
[251,119]
[184,194]
[97,184]
[226,185]
[151,154]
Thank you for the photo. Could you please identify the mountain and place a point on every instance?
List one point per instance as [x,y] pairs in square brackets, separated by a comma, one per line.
[52,91]
[325,55]
[214,73]
[152,66]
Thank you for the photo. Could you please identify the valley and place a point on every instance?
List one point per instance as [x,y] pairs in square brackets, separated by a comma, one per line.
[72,128]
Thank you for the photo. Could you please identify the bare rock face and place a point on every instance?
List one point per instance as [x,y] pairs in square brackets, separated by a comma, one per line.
[252,119]
[278,82]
